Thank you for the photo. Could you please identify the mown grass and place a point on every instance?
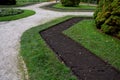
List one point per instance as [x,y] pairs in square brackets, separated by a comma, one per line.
[26,13]
[102,45]
[41,62]
[82,7]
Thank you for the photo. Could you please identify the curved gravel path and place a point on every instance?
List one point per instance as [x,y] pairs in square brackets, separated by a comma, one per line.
[10,33]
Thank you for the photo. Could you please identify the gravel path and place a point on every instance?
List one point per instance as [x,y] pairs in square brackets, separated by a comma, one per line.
[10,33]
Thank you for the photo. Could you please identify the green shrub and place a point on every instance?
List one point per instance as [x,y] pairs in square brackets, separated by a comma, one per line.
[10,12]
[7,2]
[106,29]
[107,16]
[99,9]
[118,35]
[70,2]
[90,1]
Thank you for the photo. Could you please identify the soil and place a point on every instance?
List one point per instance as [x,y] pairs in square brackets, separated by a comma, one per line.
[50,7]
[84,64]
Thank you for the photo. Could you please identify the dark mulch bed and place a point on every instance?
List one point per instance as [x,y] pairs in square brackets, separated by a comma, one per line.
[84,64]
[50,7]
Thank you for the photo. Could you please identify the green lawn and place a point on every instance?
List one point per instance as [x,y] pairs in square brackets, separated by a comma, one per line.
[82,7]
[102,45]
[26,13]
[41,62]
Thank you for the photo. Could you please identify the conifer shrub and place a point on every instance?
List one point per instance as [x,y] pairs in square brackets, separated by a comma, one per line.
[107,16]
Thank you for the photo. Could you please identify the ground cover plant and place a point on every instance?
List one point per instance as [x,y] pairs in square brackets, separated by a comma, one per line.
[102,45]
[7,15]
[10,12]
[81,7]
[41,62]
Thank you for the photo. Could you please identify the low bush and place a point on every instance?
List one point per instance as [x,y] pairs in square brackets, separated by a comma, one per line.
[10,12]
[70,3]
[90,1]
[80,7]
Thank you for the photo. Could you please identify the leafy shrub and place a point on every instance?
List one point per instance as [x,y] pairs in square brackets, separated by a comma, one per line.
[99,9]
[90,1]
[70,2]
[7,2]
[107,16]
[9,12]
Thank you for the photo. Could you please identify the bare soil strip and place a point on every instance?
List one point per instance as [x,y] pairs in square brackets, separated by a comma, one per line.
[84,64]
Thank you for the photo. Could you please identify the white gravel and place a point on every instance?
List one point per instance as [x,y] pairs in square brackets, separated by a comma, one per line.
[10,33]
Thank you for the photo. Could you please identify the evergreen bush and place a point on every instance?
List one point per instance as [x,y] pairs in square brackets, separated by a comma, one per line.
[107,16]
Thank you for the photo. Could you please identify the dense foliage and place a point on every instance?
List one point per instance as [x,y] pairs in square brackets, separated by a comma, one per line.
[18,1]
[10,11]
[107,17]
[89,1]
[70,2]
[7,2]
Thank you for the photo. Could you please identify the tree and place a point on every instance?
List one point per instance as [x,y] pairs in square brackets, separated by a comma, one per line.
[7,2]
[70,2]
[107,17]
[98,1]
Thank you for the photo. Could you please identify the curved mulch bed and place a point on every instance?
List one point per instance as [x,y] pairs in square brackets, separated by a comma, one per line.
[50,7]
[84,64]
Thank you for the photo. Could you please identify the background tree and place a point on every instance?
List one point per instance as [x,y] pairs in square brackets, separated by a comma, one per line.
[107,17]
[7,2]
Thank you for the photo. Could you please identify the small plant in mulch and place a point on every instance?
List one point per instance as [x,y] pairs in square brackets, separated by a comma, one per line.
[10,12]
